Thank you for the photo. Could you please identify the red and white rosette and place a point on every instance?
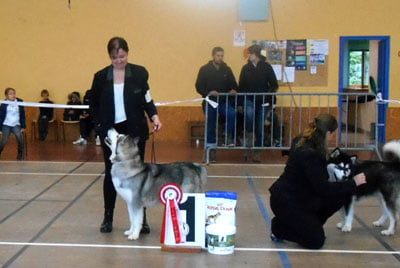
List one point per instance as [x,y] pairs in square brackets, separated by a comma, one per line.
[172,231]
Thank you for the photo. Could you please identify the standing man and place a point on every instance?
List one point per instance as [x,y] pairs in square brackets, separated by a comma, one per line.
[257,76]
[216,77]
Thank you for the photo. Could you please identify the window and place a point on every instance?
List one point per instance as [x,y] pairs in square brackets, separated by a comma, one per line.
[359,69]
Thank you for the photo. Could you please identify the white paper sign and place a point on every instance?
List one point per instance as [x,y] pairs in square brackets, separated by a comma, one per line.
[278,71]
[239,38]
[193,212]
[318,47]
[313,69]
[289,74]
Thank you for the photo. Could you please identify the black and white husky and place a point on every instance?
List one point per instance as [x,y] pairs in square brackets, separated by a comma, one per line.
[139,183]
[383,180]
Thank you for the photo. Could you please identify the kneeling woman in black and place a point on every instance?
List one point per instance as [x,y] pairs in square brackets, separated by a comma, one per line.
[302,199]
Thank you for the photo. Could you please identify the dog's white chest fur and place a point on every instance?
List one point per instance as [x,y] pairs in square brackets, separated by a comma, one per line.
[125,193]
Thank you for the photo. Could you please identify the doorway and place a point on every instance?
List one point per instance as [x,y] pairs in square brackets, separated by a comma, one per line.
[364,68]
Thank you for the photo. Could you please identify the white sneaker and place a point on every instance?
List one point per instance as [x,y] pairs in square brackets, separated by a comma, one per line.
[98,143]
[80,141]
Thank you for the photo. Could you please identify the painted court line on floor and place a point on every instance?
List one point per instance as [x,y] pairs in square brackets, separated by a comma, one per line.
[51,174]
[321,251]
[44,229]
[40,194]
[267,219]
[102,163]
[46,162]
[102,174]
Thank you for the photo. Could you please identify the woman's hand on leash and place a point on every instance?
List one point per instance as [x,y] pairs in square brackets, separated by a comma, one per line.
[156,123]
[360,179]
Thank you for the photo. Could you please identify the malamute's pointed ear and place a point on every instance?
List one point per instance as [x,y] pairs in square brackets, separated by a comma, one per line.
[353,159]
[121,138]
[335,153]
[136,140]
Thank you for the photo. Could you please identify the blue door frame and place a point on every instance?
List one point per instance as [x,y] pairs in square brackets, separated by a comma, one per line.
[383,75]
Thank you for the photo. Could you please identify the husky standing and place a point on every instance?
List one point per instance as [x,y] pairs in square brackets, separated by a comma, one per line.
[139,183]
[383,180]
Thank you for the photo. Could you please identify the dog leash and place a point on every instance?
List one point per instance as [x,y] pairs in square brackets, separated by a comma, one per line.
[153,150]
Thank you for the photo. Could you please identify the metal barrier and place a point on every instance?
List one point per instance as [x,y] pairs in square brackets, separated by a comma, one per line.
[271,120]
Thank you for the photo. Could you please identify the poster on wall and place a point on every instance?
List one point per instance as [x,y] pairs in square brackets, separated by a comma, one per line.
[318,47]
[239,38]
[316,59]
[272,50]
[296,54]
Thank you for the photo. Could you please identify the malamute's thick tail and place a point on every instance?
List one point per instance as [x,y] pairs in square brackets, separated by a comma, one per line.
[391,151]
[202,172]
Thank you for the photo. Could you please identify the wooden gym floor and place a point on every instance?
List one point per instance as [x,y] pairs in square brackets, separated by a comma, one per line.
[51,209]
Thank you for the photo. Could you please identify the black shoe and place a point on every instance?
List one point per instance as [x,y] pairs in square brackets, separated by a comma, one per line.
[145,229]
[106,227]
[275,239]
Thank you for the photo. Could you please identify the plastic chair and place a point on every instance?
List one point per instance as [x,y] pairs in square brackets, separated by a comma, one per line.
[34,125]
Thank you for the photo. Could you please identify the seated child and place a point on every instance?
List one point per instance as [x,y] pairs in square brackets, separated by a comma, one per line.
[45,115]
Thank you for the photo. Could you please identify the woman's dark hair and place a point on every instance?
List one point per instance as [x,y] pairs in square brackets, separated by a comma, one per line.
[44,91]
[217,49]
[75,94]
[315,135]
[255,49]
[8,90]
[115,44]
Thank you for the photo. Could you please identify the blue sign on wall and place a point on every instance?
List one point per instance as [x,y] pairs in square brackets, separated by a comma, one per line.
[253,10]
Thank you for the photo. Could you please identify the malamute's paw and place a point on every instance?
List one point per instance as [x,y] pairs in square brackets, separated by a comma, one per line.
[127,233]
[133,236]
[346,228]
[387,232]
[377,223]
[339,225]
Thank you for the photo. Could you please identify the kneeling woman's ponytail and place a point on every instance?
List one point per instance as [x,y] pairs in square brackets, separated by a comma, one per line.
[315,135]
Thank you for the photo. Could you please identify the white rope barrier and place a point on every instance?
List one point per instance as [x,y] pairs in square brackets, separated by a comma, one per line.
[214,104]
[66,106]
[379,99]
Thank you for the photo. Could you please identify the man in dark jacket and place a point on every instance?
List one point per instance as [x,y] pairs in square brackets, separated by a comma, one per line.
[257,76]
[216,77]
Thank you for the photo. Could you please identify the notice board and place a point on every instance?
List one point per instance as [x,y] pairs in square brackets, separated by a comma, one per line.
[300,62]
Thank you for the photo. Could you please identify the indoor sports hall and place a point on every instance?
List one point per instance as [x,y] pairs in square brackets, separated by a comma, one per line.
[59,58]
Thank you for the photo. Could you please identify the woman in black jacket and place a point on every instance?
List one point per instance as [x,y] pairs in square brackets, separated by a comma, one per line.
[120,98]
[302,199]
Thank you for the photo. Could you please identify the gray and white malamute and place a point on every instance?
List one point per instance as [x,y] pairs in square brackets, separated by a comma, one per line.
[139,183]
[383,180]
